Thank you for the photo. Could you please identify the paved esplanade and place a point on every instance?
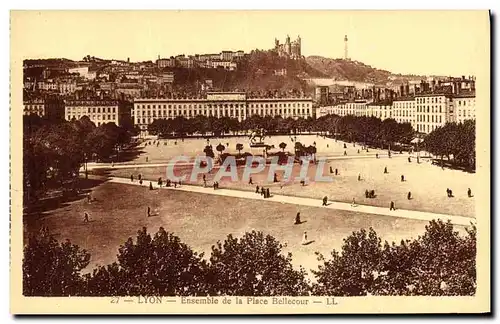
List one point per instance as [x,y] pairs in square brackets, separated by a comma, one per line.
[128,165]
[410,214]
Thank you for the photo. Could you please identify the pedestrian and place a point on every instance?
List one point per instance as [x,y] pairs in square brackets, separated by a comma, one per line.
[469,193]
[179,183]
[250,181]
[150,185]
[268,194]
[297,219]
[215,185]
[262,191]
[345,146]
[392,206]
[325,200]
[358,151]
[160,182]
[131,178]
[327,146]
[257,189]
[139,177]
[367,193]
[175,184]
[353,203]
[331,170]
[409,195]
[275,178]
[336,171]
[85,217]
[448,192]
[149,211]
[304,238]
[169,182]
[345,153]
[402,178]
[303,182]
[385,170]
[359,176]
[140,182]
[376,155]
[451,193]
[147,159]
[409,159]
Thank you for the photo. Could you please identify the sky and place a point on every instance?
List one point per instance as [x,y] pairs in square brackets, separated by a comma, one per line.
[417,42]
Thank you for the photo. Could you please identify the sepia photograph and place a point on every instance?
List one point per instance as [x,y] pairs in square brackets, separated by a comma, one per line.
[250,162]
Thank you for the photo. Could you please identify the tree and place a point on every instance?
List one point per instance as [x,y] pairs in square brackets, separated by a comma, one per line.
[152,266]
[209,152]
[52,269]
[220,148]
[282,146]
[353,271]
[254,266]
[239,147]
[440,262]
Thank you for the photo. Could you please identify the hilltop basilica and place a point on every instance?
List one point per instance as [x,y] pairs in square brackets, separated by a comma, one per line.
[289,49]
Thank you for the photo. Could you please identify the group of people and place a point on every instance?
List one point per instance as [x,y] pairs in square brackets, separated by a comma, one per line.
[263,191]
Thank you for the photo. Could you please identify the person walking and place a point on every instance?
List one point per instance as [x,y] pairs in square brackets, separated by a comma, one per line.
[262,191]
[469,193]
[257,189]
[149,211]
[402,178]
[304,238]
[409,195]
[131,178]
[359,176]
[268,194]
[297,219]
[150,185]
[385,170]
[331,170]
[325,200]
[353,203]
[336,171]
[85,217]
[345,153]
[250,181]
[392,206]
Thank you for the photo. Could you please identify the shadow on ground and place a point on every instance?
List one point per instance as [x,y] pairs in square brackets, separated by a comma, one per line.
[42,207]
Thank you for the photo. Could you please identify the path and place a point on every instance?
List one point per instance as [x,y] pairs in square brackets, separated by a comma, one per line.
[410,214]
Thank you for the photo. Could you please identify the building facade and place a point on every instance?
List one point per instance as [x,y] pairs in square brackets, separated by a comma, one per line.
[34,107]
[404,111]
[99,111]
[218,104]
[464,107]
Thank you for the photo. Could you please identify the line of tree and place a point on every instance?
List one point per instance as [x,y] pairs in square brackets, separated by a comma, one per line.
[456,142]
[440,262]
[369,130]
[54,151]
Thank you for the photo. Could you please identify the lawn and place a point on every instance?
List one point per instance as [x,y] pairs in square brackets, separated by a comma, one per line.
[200,220]
[427,183]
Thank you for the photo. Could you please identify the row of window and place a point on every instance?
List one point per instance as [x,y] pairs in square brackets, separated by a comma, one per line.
[92,117]
[149,118]
[272,105]
[426,128]
[430,100]
[225,112]
[91,109]
[421,118]
[429,109]
[465,102]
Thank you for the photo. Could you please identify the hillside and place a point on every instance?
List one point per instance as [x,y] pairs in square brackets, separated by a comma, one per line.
[341,69]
